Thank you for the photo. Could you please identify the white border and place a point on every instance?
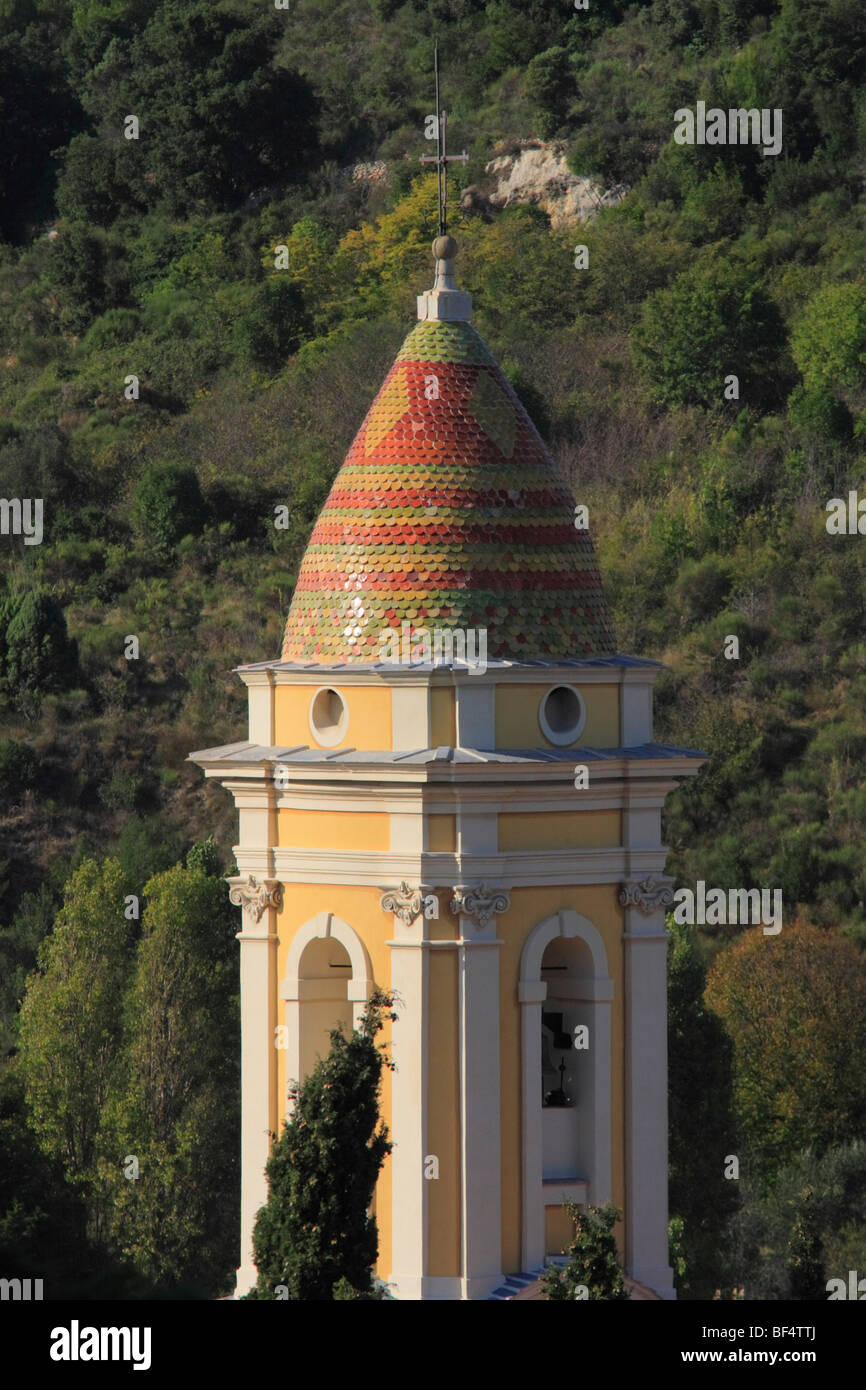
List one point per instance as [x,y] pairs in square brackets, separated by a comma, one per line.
[562,740]
[328,740]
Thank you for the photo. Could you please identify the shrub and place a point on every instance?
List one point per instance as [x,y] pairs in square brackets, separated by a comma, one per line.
[167,505]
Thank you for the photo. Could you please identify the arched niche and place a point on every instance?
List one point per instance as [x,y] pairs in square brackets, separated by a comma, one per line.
[327,983]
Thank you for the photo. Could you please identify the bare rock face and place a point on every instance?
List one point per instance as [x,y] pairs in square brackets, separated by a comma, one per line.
[375,172]
[537,173]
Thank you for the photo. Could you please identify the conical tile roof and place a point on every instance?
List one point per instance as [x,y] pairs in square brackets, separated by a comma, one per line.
[448,512]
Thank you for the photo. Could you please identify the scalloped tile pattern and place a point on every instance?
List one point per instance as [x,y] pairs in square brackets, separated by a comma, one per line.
[448,512]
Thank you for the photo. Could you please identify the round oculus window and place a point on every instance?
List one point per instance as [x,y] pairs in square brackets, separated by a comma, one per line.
[329,717]
[562,714]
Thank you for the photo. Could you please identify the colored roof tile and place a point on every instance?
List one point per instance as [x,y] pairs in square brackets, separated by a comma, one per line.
[448,509]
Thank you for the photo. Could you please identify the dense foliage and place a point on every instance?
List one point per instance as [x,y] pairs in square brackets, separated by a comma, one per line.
[592,1268]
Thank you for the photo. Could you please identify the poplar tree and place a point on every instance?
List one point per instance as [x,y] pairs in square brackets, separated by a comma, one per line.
[315,1238]
[71,1024]
[178,1112]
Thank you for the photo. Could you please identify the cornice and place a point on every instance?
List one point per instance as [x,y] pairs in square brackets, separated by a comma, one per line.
[351,674]
[521,868]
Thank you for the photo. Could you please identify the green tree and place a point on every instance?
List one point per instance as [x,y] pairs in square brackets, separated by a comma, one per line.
[273,323]
[701,1125]
[219,117]
[206,856]
[593,1260]
[167,505]
[147,845]
[828,341]
[805,1256]
[794,1006]
[89,270]
[820,414]
[315,1229]
[38,110]
[814,1213]
[18,766]
[713,321]
[39,656]
[178,1110]
[19,947]
[70,1029]
[550,87]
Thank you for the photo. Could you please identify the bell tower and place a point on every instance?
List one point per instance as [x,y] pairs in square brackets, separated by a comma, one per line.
[450,789]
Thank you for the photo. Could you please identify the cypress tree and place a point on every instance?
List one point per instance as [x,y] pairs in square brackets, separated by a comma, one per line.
[315,1238]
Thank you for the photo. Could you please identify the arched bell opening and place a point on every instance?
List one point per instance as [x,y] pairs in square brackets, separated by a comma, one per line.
[565,994]
[324,975]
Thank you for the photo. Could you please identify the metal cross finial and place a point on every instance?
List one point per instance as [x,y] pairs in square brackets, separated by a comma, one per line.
[441,159]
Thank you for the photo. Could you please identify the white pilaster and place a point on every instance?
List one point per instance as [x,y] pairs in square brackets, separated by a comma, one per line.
[646,1101]
[258,974]
[476,714]
[636,713]
[480,1140]
[261,707]
[410,716]
[531,995]
[410,982]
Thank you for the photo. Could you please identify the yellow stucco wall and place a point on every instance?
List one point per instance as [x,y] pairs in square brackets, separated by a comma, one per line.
[517,723]
[369,709]
[529,907]
[443,722]
[441,834]
[559,829]
[558,1230]
[359,907]
[345,830]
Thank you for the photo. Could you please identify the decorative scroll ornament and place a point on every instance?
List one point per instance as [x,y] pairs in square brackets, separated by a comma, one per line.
[647,895]
[254,896]
[405,902]
[479,902]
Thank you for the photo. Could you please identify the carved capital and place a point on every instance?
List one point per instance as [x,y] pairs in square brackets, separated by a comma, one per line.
[254,896]
[479,902]
[405,902]
[647,895]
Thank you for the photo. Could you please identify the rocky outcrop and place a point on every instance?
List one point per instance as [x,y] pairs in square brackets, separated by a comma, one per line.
[537,172]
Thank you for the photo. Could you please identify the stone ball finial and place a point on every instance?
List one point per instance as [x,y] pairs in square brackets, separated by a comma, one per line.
[444,248]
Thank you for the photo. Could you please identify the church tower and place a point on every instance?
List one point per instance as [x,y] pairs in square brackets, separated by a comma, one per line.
[450,789]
